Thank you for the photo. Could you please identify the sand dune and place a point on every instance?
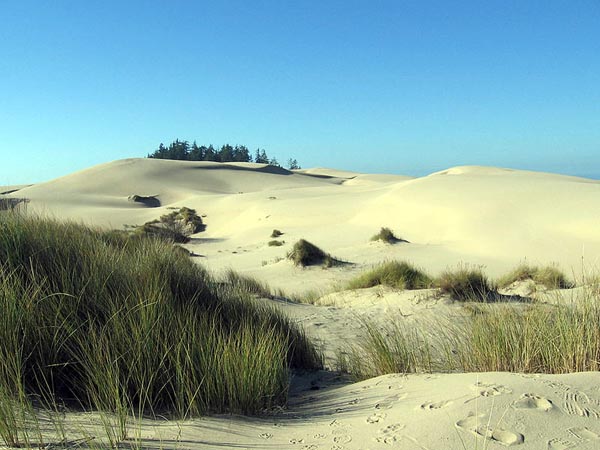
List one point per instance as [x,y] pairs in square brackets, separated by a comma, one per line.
[479,215]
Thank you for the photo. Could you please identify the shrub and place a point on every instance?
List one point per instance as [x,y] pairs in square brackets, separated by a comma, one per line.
[276,234]
[465,284]
[386,235]
[306,254]
[395,274]
[275,243]
[121,325]
[549,276]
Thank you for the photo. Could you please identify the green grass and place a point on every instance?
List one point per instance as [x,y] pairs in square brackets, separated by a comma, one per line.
[549,276]
[275,243]
[395,274]
[305,253]
[533,338]
[104,322]
[386,235]
[465,284]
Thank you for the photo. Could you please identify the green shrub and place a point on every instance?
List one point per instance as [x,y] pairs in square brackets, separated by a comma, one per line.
[549,276]
[306,254]
[275,243]
[386,235]
[121,325]
[464,284]
[395,274]
[276,234]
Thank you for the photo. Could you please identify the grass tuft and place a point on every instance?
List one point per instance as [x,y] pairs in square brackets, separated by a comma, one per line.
[275,243]
[276,233]
[386,235]
[305,253]
[395,274]
[548,276]
[465,284]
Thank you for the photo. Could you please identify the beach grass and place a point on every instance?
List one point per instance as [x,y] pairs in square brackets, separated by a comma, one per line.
[126,326]
[395,274]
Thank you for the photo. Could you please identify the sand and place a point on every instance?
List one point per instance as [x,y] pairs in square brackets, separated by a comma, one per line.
[484,216]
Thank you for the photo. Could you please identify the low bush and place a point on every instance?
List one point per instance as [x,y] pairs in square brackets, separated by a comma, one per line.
[465,284]
[275,243]
[395,274]
[549,276]
[176,226]
[306,254]
[276,234]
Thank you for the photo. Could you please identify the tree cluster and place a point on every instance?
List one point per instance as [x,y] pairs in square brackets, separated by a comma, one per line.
[183,151]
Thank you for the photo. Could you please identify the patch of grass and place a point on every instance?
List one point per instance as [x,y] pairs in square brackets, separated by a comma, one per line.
[386,235]
[103,322]
[176,226]
[549,276]
[465,284]
[276,233]
[305,253]
[395,274]
[275,243]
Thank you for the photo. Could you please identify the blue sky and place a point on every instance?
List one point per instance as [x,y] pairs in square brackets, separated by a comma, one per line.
[404,87]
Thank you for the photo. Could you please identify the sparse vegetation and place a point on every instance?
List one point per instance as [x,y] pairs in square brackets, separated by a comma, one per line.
[128,326]
[386,235]
[465,284]
[548,276]
[305,253]
[177,226]
[276,233]
[395,274]
[275,243]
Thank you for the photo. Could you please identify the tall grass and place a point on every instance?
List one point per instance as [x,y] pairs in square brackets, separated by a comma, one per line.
[110,323]
[533,338]
[305,253]
[549,276]
[465,284]
[395,274]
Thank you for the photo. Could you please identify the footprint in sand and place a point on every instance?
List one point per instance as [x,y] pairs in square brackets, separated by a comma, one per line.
[376,418]
[491,390]
[533,401]
[265,435]
[560,444]
[389,440]
[583,434]
[435,405]
[345,439]
[391,428]
[478,425]
[388,401]
[296,441]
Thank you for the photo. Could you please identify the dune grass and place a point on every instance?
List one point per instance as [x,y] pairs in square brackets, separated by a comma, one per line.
[534,338]
[548,276]
[103,322]
[386,235]
[395,274]
[305,253]
[275,243]
[465,284]
[276,233]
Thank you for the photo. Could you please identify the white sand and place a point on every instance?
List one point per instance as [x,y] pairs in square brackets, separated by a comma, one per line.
[477,215]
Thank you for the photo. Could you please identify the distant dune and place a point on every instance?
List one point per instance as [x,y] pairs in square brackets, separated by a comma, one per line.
[479,215]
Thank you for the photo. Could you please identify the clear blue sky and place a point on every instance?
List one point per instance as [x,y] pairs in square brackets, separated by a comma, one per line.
[403,87]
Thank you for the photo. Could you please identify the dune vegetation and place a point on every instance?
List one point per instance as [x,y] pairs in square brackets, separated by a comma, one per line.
[305,253]
[128,325]
[548,276]
[395,274]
